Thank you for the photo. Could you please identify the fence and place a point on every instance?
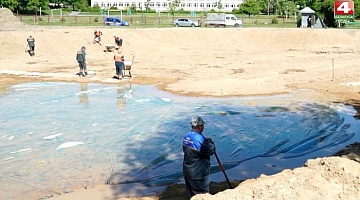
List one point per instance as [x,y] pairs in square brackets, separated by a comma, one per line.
[134,20]
[144,20]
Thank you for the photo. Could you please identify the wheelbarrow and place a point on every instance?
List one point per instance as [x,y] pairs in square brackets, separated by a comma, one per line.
[127,65]
[110,48]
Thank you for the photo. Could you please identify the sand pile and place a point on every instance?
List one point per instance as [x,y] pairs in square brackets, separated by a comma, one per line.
[8,21]
[322,178]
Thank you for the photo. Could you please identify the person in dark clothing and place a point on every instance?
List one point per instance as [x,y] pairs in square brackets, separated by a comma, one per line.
[118,41]
[196,165]
[31,44]
[309,21]
[80,57]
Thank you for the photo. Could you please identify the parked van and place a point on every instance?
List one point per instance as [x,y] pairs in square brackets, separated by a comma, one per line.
[114,21]
[222,19]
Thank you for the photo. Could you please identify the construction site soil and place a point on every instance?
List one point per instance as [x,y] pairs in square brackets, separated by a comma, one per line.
[220,62]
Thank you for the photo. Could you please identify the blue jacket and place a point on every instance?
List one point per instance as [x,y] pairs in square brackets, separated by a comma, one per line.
[197,151]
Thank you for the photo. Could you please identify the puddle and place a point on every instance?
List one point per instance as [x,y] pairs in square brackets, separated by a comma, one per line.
[55,136]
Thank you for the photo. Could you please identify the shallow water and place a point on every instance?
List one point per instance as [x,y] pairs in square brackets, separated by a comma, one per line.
[56,136]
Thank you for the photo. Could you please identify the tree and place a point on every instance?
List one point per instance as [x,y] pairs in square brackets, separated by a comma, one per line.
[11,4]
[133,8]
[219,5]
[173,7]
[76,3]
[29,5]
[268,4]
[357,10]
[147,4]
[285,8]
[95,8]
[325,9]
[250,7]
[36,4]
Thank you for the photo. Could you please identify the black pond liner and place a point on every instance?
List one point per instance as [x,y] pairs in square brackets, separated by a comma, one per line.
[66,135]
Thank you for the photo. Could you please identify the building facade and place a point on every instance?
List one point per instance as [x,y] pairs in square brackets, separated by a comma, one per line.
[163,5]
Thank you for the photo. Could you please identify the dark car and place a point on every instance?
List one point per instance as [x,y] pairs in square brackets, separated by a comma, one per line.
[115,21]
[186,22]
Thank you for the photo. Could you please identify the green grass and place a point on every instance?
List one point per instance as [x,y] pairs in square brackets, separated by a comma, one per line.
[163,19]
[145,20]
[355,24]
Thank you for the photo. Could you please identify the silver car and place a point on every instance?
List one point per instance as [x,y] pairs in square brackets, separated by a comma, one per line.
[186,22]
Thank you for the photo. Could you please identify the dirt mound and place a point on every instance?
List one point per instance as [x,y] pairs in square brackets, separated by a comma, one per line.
[322,178]
[8,21]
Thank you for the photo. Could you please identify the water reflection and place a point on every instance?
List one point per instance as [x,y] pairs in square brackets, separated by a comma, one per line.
[83,96]
[3,89]
[123,92]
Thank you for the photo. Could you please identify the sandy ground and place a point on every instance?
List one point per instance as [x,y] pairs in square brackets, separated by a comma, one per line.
[208,62]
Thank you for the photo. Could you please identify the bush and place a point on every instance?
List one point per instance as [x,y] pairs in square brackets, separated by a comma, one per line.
[84,8]
[298,23]
[66,9]
[95,8]
[149,10]
[275,20]
[236,11]
[181,10]
[133,8]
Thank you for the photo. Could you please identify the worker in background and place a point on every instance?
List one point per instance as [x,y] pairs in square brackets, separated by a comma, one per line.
[309,21]
[80,57]
[118,42]
[97,36]
[119,64]
[31,44]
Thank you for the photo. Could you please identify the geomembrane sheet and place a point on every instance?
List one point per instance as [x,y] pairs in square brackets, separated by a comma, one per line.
[64,135]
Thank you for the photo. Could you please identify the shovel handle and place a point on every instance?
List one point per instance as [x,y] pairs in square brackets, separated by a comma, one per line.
[223,170]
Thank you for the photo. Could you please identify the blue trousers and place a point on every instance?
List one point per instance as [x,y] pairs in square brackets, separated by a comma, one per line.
[119,68]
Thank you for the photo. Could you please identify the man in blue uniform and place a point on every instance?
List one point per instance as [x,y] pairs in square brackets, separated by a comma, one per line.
[197,151]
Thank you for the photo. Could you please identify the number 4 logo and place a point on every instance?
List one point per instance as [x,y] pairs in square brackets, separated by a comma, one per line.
[344,7]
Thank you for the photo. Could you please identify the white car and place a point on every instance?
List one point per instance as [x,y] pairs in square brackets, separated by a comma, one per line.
[186,22]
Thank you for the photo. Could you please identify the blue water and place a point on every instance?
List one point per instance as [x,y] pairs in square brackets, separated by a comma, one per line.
[67,135]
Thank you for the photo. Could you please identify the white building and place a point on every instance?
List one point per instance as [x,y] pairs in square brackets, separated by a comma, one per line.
[163,5]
